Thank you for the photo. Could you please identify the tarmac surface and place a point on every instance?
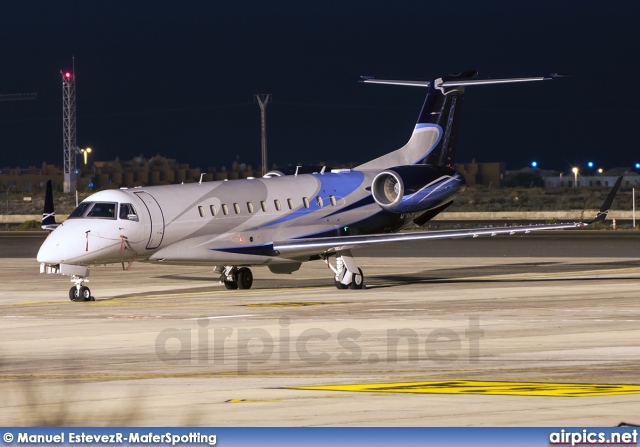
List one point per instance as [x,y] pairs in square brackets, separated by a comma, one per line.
[536,330]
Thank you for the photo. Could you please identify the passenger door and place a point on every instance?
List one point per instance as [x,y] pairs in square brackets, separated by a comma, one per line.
[157,219]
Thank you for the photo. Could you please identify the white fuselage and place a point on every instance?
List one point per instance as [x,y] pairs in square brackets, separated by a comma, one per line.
[226,222]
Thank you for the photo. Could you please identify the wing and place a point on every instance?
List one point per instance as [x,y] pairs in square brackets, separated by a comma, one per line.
[302,247]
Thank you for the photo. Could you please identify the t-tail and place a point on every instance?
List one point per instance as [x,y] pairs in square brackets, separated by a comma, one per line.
[48,214]
[433,141]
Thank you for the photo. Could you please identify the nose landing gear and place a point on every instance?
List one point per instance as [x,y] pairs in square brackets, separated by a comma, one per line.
[80,292]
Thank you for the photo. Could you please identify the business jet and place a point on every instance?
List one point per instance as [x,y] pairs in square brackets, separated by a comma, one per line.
[286,217]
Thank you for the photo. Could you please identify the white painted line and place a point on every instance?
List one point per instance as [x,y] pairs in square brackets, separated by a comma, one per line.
[220,317]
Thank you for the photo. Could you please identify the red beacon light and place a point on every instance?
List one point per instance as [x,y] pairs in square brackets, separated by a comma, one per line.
[67,75]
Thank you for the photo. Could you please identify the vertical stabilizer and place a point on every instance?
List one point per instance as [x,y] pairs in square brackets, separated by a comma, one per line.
[442,108]
[48,214]
[433,141]
[434,137]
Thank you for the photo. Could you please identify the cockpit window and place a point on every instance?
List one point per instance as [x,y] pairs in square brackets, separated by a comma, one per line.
[100,210]
[103,210]
[127,212]
[80,210]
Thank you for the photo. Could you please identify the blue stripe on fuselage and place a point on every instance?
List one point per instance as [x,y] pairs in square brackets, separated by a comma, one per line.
[339,184]
[360,203]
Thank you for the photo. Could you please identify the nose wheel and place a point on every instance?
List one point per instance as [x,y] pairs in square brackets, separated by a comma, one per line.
[80,292]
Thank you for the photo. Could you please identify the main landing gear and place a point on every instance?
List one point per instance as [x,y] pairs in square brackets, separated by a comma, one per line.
[347,274]
[236,278]
[80,292]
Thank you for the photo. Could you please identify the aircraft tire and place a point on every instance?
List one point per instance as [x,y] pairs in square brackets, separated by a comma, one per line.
[358,280]
[85,293]
[73,293]
[339,285]
[231,285]
[245,278]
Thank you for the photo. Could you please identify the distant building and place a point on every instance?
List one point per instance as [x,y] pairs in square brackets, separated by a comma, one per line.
[486,174]
[99,175]
[606,179]
[527,177]
[31,179]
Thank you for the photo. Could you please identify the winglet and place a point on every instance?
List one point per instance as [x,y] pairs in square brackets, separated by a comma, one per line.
[48,214]
[606,205]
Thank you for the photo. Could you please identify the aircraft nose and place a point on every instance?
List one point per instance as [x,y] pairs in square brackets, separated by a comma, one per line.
[49,251]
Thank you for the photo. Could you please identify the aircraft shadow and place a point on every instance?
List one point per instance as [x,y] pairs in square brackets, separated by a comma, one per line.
[471,274]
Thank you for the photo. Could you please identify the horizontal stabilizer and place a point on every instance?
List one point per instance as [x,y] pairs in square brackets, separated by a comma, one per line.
[370,80]
[454,82]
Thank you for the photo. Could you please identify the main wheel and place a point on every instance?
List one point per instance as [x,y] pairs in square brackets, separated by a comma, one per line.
[358,280]
[245,278]
[231,285]
[339,285]
[85,293]
[73,293]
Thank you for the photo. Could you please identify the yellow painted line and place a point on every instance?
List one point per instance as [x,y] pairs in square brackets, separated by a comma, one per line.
[134,299]
[491,388]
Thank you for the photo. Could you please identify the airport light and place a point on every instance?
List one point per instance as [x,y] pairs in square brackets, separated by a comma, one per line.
[575,176]
[600,170]
[637,165]
[534,164]
[590,164]
[85,153]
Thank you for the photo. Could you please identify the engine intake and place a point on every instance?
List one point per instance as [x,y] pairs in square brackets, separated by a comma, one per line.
[406,189]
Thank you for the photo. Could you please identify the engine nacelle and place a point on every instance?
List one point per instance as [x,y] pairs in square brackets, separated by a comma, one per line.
[407,189]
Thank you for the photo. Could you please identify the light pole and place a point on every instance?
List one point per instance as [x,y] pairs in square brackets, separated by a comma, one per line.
[263,100]
[85,153]
[575,177]
[633,206]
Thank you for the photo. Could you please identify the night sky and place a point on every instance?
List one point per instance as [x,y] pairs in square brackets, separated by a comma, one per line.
[178,78]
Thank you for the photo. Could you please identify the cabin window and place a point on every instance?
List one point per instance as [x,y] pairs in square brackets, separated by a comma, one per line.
[305,201]
[127,212]
[103,210]
[277,204]
[263,204]
[290,202]
[213,209]
[319,201]
[250,207]
[333,200]
[236,208]
[225,209]
[201,211]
